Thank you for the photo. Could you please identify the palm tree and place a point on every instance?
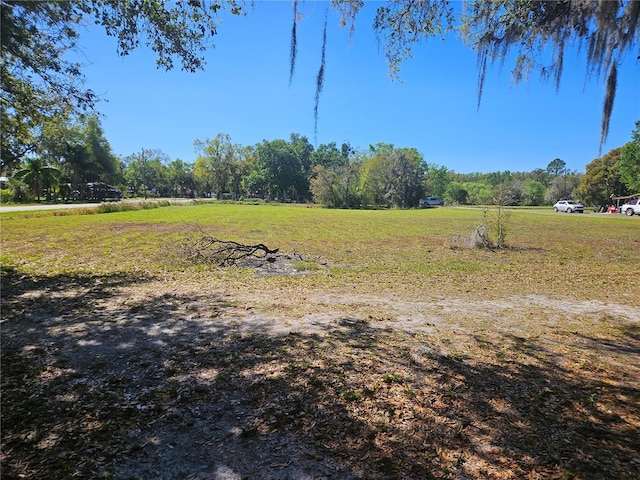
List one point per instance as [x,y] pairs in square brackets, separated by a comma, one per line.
[37,174]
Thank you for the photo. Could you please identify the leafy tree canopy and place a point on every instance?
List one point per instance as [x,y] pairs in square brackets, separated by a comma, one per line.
[217,163]
[557,167]
[39,82]
[629,163]
[38,174]
[601,180]
[280,167]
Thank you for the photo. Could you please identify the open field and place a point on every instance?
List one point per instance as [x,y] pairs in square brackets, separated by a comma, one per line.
[382,349]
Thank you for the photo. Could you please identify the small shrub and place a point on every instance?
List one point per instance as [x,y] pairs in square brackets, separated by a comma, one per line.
[350,395]
[6,195]
[492,233]
[391,378]
[500,226]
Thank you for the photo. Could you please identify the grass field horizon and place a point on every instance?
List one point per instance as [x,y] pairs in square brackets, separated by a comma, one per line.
[388,350]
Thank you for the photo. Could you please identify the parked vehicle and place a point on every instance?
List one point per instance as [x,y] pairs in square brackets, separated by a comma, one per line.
[568,206]
[431,202]
[98,191]
[631,207]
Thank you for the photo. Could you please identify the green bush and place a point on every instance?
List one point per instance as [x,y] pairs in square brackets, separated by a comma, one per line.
[6,195]
[16,191]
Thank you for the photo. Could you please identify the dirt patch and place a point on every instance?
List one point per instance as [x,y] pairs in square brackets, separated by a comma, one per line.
[277,264]
[128,377]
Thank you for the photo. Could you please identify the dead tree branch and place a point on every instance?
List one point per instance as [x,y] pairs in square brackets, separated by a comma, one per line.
[205,248]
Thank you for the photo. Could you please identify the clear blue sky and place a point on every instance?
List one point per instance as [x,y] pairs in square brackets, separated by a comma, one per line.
[244,92]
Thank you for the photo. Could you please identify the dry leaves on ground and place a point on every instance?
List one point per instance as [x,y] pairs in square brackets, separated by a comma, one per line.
[98,383]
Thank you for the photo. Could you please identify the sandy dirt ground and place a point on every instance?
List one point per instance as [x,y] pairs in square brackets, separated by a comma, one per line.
[156,351]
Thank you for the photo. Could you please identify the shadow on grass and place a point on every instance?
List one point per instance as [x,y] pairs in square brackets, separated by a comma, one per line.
[97,385]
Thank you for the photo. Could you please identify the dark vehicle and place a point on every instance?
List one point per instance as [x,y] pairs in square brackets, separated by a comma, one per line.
[431,202]
[101,192]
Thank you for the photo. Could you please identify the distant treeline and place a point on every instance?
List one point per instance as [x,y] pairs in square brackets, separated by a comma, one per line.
[335,176]
[294,170]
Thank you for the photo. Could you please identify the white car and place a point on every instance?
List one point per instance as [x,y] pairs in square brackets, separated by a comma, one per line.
[568,206]
[633,206]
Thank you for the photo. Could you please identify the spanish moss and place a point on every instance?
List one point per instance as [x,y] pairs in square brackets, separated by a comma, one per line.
[294,42]
[320,78]
[537,34]
[610,94]
[606,30]
[482,71]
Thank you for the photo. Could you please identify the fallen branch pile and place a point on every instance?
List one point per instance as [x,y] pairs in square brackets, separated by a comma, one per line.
[224,253]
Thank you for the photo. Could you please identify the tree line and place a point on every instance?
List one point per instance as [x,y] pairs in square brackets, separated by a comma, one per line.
[68,156]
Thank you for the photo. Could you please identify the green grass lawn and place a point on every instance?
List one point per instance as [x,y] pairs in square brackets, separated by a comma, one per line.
[409,250]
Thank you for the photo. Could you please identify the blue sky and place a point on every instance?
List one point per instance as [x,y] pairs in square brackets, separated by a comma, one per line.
[245,92]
